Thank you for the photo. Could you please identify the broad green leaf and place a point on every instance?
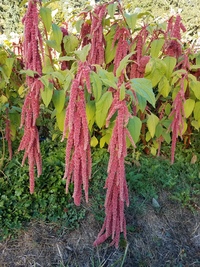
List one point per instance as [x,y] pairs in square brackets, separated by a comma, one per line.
[58,100]
[195,86]
[188,107]
[131,20]
[45,14]
[156,47]
[122,65]
[164,86]
[60,118]
[168,109]
[197,111]
[122,92]
[167,137]
[110,51]
[66,58]
[28,72]
[194,67]
[47,94]
[148,136]
[70,43]
[3,57]
[56,38]
[196,124]
[96,85]
[184,128]
[82,54]
[8,67]
[108,78]
[143,87]
[58,75]
[159,130]
[141,102]
[134,127]
[3,99]
[90,113]
[94,141]
[155,70]
[111,9]
[152,122]
[102,107]
[105,140]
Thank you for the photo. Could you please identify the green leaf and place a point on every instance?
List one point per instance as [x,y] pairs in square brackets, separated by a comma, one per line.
[141,102]
[59,100]
[60,118]
[134,127]
[188,107]
[152,122]
[45,14]
[131,20]
[122,92]
[164,86]
[197,111]
[170,63]
[155,70]
[96,85]
[111,9]
[94,141]
[167,137]
[82,54]
[123,63]
[102,107]
[195,86]
[47,94]
[110,51]
[28,72]
[71,42]
[105,140]
[90,113]
[56,38]
[9,66]
[143,87]
[66,58]
[156,47]
[196,124]
[108,78]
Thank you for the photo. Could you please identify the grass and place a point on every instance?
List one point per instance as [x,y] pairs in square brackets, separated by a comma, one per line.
[167,235]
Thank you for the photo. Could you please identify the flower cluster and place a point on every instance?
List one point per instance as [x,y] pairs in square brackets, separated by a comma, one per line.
[30,109]
[121,36]
[96,54]
[78,154]
[178,114]
[117,191]
[174,47]
[139,61]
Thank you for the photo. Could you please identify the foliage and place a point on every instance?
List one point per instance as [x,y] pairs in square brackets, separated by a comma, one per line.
[49,202]
[120,80]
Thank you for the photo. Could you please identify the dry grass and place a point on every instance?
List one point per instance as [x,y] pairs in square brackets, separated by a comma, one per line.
[169,237]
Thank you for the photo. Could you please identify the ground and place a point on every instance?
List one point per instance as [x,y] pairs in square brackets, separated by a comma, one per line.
[168,236]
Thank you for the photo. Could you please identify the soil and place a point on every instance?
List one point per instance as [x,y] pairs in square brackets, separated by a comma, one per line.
[168,236]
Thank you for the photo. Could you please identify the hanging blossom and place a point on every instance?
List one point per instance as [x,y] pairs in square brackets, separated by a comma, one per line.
[121,40]
[117,191]
[139,63]
[78,154]
[178,115]
[96,54]
[30,109]
[174,46]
